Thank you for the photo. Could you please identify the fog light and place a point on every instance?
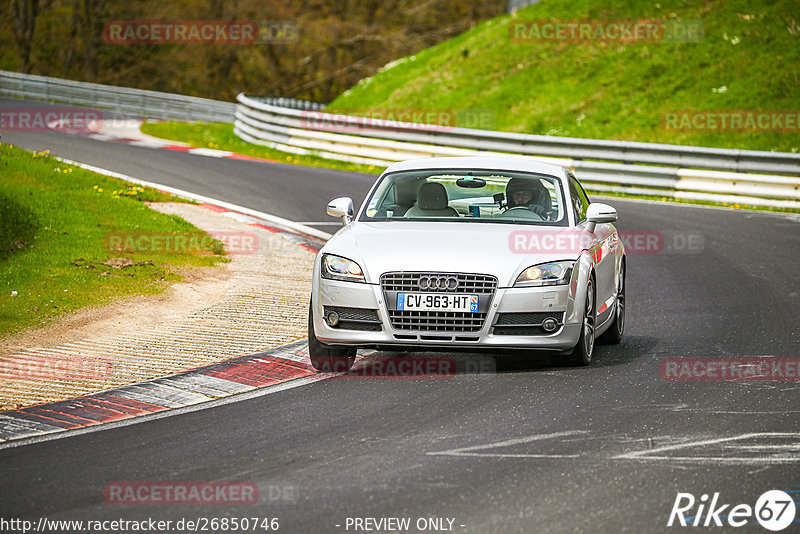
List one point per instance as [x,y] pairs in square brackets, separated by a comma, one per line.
[332,318]
[549,324]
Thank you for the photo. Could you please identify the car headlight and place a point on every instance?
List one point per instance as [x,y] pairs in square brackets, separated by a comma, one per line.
[545,274]
[338,268]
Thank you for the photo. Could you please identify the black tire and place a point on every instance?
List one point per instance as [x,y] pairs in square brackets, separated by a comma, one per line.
[613,336]
[327,358]
[583,351]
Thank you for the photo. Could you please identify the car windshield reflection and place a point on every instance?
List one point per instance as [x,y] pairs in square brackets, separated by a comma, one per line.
[465,195]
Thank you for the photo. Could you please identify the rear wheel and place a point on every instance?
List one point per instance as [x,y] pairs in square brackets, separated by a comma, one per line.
[327,358]
[582,353]
[613,335]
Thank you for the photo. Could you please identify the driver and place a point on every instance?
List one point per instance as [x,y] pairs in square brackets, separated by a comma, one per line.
[528,193]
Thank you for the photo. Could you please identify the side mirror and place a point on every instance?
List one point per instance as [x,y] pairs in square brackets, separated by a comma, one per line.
[599,213]
[341,207]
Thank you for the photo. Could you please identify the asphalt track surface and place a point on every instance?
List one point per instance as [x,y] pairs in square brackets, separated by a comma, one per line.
[548,448]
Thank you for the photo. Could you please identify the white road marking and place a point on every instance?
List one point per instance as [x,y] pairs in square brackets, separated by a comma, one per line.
[468,451]
[148,144]
[789,449]
[211,152]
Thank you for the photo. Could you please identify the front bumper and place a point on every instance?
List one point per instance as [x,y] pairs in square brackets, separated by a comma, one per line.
[554,299]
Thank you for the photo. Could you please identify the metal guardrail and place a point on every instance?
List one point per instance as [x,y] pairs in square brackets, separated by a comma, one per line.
[298,126]
[121,100]
[292,103]
[699,173]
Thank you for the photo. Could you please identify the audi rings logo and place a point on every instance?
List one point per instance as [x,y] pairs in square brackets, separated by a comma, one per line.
[433,282]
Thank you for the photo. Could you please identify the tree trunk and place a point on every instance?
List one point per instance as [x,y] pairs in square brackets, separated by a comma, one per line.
[25,12]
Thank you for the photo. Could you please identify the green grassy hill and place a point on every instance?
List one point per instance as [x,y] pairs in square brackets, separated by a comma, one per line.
[747,59]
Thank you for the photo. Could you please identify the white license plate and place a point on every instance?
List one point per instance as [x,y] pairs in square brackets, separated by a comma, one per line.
[437,302]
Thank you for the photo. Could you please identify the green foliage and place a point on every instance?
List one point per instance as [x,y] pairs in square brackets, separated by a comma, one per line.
[55,221]
[746,60]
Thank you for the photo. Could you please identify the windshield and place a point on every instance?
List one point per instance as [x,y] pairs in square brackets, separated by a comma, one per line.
[468,195]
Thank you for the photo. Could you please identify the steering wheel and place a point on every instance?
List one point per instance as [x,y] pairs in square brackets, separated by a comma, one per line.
[521,212]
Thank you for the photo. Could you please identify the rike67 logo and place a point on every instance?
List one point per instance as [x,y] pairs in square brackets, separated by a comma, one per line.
[774,510]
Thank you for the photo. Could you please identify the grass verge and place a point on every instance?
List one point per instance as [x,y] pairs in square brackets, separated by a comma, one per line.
[604,89]
[220,136]
[55,224]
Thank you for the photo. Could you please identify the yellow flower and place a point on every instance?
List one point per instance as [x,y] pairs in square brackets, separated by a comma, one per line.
[95,187]
[100,190]
[663,199]
[141,189]
[116,196]
[47,151]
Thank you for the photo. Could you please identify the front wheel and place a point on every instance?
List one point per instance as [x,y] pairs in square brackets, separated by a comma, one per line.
[327,358]
[582,353]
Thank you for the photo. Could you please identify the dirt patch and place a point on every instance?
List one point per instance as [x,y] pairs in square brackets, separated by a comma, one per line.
[255,301]
[201,287]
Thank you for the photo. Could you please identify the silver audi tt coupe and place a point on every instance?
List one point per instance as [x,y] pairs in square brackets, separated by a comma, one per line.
[473,252]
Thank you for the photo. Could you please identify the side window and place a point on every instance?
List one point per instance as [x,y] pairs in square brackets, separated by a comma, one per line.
[389,198]
[576,201]
[579,199]
[583,196]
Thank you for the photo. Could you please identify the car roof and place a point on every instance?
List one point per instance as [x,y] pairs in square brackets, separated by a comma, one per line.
[480,162]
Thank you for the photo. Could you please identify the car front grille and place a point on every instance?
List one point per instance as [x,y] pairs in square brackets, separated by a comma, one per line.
[467,283]
[438,321]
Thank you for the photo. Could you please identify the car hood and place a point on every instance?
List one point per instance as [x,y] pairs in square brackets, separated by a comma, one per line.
[484,248]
